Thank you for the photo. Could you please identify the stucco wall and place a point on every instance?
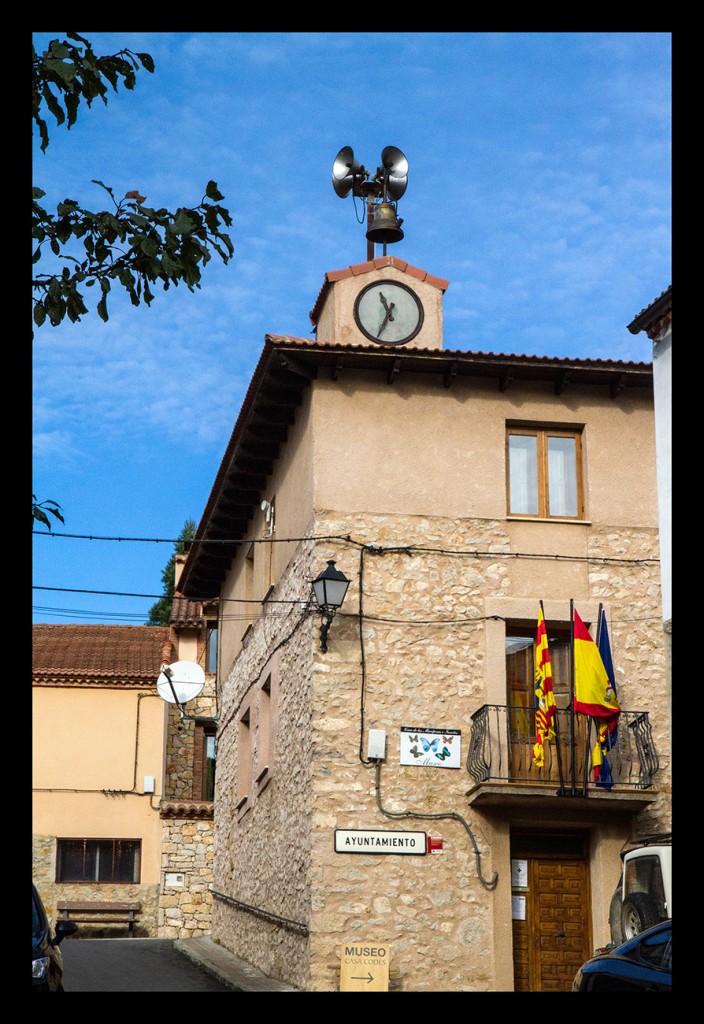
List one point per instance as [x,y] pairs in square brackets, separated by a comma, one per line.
[99,791]
[420,448]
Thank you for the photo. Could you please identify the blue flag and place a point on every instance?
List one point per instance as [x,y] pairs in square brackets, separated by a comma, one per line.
[605,651]
[607,735]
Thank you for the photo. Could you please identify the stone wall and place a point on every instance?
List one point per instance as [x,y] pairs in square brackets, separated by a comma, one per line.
[421,661]
[262,859]
[187,874]
[187,822]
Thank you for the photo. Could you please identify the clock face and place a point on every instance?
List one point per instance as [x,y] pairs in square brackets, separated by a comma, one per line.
[388,312]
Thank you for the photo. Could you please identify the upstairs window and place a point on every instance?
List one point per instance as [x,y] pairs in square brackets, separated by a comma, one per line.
[244,762]
[211,648]
[544,473]
[256,738]
[204,757]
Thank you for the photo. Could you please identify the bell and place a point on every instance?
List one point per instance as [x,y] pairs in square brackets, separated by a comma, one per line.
[386,227]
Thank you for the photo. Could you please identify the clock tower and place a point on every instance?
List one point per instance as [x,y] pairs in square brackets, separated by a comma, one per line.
[383,303]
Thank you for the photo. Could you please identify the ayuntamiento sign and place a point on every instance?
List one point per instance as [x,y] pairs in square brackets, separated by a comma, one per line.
[379,840]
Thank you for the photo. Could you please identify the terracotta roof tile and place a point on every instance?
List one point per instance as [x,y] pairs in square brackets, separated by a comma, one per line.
[654,317]
[449,353]
[186,613]
[108,654]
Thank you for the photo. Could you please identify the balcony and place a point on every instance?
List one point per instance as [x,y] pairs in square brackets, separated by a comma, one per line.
[500,759]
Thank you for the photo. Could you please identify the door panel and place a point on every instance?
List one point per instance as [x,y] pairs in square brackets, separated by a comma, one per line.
[554,940]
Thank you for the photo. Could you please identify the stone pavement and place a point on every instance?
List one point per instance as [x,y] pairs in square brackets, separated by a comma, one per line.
[228,968]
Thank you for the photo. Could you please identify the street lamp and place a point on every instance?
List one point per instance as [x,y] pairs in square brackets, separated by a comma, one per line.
[329,590]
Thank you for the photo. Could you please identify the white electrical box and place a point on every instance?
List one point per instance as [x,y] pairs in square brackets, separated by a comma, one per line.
[148,783]
[174,879]
[376,747]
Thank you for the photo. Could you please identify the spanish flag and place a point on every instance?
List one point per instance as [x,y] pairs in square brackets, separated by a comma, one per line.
[607,732]
[544,696]
[593,692]
[595,695]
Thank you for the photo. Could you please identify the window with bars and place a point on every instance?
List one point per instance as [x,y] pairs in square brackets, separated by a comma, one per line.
[98,860]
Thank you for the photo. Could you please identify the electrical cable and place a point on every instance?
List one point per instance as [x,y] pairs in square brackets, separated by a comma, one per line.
[490,885]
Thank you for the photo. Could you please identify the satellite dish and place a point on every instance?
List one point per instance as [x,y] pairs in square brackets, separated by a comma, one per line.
[187,681]
[344,171]
[397,171]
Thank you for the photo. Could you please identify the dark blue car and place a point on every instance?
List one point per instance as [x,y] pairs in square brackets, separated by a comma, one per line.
[643,964]
[47,962]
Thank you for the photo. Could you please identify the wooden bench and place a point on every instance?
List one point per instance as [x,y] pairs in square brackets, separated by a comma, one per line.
[95,912]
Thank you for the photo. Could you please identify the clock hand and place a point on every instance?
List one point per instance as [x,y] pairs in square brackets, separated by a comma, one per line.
[384,323]
[387,307]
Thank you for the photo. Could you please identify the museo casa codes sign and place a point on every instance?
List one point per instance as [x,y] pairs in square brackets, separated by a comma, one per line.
[364,968]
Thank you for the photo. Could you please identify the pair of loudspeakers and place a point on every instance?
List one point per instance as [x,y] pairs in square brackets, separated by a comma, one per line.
[347,171]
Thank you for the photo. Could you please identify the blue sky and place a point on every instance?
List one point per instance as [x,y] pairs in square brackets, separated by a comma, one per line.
[539,185]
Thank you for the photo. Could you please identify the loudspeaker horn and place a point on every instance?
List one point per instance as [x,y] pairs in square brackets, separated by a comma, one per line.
[396,166]
[345,170]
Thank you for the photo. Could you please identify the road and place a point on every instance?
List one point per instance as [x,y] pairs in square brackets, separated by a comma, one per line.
[133,965]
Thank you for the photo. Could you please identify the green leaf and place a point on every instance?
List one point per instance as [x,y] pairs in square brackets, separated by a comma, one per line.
[39,314]
[183,223]
[53,105]
[66,72]
[37,513]
[212,192]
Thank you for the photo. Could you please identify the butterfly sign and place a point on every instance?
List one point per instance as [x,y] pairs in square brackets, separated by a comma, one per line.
[429,747]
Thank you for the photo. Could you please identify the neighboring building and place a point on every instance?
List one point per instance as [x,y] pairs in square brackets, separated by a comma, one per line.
[456,490]
[122,783]
[656,321]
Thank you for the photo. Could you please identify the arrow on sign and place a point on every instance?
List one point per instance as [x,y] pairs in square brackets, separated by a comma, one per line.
[369,977]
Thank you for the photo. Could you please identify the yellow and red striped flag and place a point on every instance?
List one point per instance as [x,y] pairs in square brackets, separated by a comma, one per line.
[544,696]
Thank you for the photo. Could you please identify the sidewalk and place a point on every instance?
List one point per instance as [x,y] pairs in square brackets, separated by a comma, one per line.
[228,968]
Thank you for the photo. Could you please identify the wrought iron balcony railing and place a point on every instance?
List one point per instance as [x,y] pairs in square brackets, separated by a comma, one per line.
[501,749]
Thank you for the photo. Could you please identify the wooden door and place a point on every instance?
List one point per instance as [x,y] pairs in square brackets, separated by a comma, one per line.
[554,939]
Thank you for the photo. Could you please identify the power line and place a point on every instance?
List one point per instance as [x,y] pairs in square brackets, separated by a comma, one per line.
[202,540]
[176,597]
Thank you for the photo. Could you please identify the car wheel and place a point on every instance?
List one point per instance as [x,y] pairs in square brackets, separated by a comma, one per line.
[615,917]
[637,914]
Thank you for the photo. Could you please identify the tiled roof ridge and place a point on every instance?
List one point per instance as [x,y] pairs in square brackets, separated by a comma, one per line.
[98,652]
[378,263]
[655,316]
[185,611]
[451,353]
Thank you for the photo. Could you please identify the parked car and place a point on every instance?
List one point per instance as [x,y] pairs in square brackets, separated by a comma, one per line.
[643,964]
[643,896]
[47,962]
